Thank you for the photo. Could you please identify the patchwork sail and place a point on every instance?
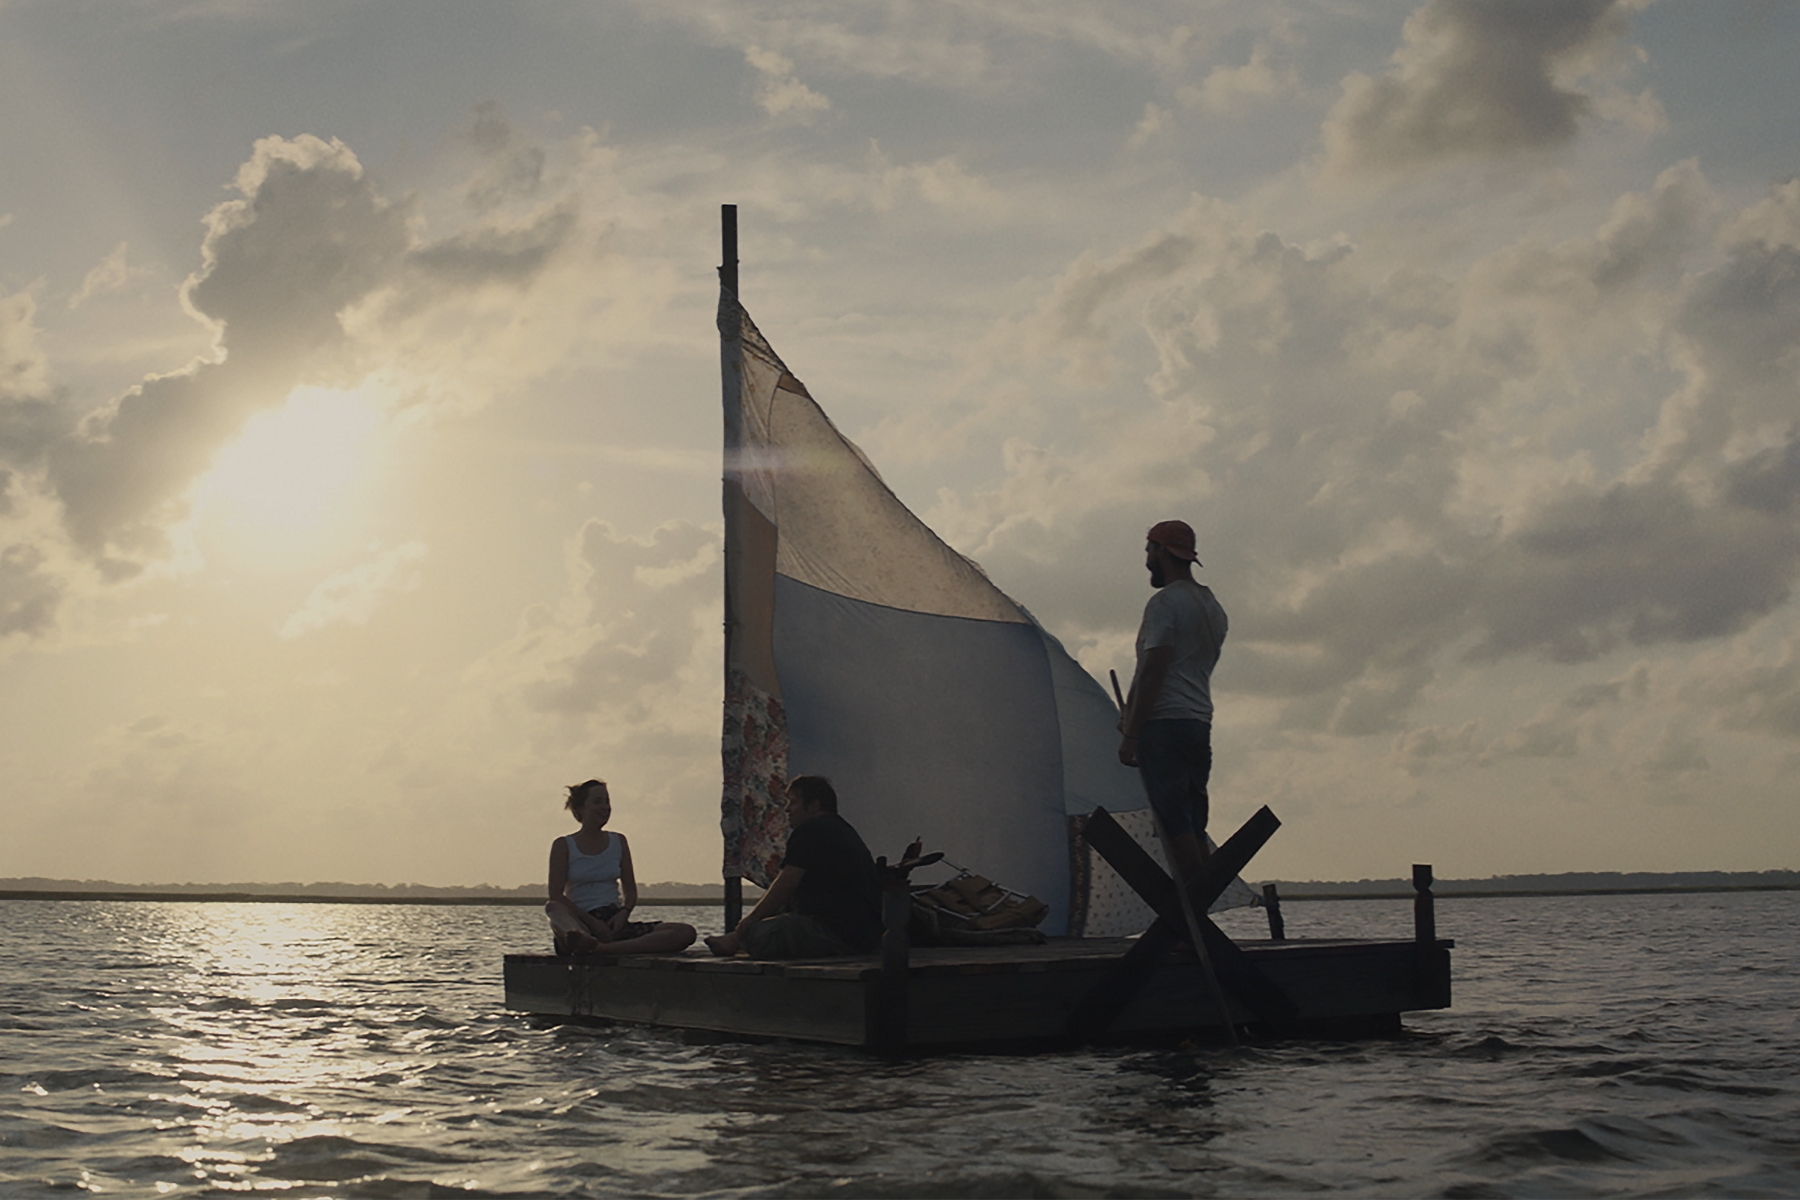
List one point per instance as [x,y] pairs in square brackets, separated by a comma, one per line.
[860,646]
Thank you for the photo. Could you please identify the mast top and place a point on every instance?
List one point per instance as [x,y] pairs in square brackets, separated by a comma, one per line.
[728,254]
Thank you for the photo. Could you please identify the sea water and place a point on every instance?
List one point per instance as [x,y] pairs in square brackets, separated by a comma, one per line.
[1598,1046]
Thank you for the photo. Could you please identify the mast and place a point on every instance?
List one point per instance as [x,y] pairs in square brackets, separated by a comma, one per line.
[728,259]
[728,281]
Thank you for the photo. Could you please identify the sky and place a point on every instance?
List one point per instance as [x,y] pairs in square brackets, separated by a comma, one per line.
[359,425]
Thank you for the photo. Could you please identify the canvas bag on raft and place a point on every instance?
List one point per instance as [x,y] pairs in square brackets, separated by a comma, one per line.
[971,908]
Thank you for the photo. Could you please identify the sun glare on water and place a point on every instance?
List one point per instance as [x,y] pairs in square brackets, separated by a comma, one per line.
[293,468]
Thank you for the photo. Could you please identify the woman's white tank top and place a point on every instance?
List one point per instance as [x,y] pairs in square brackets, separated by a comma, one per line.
[594,878]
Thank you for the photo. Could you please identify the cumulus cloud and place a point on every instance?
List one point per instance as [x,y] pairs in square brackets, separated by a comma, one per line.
[943,183]
[779,91]
[1758,696]
[1155,122]
[637,613]
[31,419]
[24,370]
[1228,89]
[1476,78]
[351,597]
[512,167]
[28,594]
[109,275]
[308,237]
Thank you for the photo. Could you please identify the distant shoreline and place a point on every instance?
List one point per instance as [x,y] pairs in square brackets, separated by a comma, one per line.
[1440,892]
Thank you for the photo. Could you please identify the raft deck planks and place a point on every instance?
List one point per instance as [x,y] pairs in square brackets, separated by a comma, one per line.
[977,995]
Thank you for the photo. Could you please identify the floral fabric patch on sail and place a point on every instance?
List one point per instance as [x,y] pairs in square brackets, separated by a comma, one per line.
[753,808]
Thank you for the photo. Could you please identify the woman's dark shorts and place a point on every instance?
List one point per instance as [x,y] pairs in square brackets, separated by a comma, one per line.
[1175,761]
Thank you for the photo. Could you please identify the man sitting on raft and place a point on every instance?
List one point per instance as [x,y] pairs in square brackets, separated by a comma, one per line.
[593,888]
[826,901]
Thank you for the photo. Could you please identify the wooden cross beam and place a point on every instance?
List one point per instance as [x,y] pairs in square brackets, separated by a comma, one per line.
[1237,974]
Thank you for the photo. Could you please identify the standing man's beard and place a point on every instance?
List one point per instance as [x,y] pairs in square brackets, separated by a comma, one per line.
[1156,575]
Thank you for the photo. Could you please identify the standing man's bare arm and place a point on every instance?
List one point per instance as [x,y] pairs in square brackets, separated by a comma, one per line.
[1144,692]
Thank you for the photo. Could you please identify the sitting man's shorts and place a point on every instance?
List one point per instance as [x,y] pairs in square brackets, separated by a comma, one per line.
[790,935]
[1175,761]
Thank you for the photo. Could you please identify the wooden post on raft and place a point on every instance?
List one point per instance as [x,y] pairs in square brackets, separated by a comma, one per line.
[896,954]
[1424,908]
[1431,977]
[734,902]
[1272,905]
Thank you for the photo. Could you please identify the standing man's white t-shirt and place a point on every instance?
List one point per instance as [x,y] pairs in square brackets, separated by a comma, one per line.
[1185,616]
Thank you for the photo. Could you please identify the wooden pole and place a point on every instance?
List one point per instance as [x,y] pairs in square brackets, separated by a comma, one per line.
[728,259]
[896,953]
[1424,908]
[1424,927]
[1272,905]
[728,280]
[734,902]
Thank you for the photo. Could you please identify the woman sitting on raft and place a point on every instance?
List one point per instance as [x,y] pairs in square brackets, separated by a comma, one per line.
[588,868]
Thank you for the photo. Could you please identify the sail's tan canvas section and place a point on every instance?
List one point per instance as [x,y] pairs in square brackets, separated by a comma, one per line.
[842,530]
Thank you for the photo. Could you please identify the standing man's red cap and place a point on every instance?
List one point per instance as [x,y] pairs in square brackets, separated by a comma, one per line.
[1177,537]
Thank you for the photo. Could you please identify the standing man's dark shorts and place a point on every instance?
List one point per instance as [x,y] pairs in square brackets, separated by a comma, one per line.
[1175,762]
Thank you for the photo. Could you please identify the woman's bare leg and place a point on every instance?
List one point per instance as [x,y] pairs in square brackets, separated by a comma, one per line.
[568,933]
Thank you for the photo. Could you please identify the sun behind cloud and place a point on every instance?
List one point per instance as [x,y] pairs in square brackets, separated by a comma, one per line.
[292,470]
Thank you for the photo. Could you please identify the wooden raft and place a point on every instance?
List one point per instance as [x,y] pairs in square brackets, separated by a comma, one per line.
[1068,990]
[986,995]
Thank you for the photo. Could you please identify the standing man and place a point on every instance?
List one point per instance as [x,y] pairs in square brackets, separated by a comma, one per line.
[1167,724]
[826,901]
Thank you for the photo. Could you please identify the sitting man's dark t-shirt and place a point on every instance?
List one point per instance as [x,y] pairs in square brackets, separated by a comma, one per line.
[840,889]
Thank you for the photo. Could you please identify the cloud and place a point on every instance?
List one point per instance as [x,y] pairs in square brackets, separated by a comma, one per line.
[1228,89]
[943,183]
[513,167]
[351,597]
[780,91]
[1421,749]
[500,254]
[31,419]
[1475,78]
[1773,221]
[636,615]
[1155,122]
[111,274]
[24,370]
[1759,696]
[29,595]
[309,237]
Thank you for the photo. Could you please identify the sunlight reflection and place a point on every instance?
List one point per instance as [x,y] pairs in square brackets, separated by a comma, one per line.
[259,1039]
